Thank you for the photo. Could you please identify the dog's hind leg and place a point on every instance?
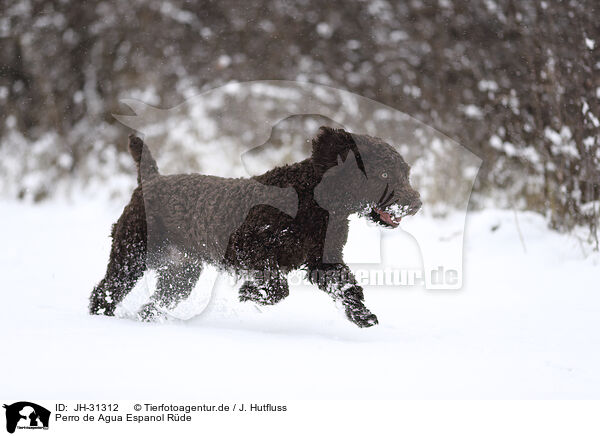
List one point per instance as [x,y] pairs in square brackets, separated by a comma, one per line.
[127,261]
[266,287]
[176,280]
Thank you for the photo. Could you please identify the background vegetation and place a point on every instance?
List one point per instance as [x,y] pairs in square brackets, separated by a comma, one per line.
[517,82]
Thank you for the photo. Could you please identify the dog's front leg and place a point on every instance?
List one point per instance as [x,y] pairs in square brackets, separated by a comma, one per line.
[338,281]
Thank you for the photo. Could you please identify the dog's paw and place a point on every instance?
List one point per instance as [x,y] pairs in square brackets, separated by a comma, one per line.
[150,313]
[249,292]
[262,296]
[361,316]
[102,311]
[101,304]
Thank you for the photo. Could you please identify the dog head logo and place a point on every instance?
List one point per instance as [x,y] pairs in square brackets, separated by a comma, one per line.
[26,415]
[369,170]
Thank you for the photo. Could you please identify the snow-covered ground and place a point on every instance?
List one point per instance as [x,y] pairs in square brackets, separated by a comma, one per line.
[525,325]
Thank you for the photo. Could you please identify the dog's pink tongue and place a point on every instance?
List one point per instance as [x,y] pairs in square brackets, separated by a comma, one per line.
[389,218]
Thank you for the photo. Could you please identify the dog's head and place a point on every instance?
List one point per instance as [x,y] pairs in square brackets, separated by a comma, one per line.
[360,173]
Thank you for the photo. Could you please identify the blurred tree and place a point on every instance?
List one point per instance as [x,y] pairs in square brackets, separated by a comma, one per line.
[516,82]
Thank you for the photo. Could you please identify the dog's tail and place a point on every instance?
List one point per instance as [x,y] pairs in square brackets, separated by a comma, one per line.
[146,165]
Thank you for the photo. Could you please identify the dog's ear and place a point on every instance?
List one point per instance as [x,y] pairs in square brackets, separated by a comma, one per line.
[328,146]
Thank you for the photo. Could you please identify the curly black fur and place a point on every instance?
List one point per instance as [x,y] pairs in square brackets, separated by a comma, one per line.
[291,217]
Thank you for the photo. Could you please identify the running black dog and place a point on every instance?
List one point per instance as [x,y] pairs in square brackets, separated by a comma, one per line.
[292,217]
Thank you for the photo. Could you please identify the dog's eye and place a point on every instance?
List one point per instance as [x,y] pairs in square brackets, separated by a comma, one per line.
[384,175]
